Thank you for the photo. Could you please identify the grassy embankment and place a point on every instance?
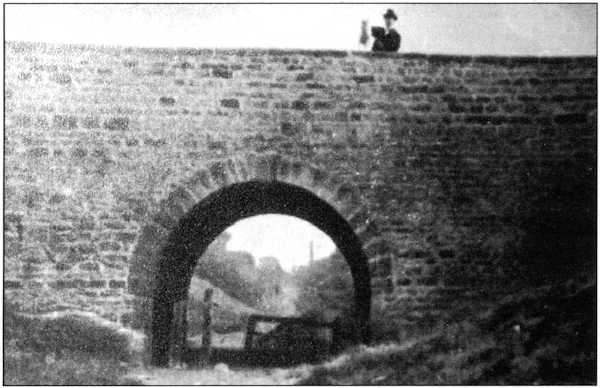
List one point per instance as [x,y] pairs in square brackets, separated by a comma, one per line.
[542,336]
[83,350]
[70,350]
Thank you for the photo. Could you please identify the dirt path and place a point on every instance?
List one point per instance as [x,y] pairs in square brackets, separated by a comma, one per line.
[220,374]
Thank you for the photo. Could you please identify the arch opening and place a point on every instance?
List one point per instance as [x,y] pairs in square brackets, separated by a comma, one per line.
[274,267]
[221,209]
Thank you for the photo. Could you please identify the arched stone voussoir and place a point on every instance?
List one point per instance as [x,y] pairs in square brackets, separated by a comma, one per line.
[379,245]
[265,166]
[180,199]
[174,207]
[218,174]
[199,184]
[215,175]
[239,169]
[304,175]
[310,177]
[274,167]
[365,225]
[222,173]
[347,190]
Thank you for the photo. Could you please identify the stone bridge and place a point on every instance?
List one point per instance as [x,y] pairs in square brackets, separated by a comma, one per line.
[430,172]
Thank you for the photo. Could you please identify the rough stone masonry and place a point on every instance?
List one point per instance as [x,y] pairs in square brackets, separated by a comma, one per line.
[439,163]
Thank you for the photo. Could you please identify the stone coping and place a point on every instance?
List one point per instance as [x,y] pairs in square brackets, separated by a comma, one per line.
[513,61]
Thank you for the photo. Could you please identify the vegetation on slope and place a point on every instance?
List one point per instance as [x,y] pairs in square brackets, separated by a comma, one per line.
[543,336]
[233,272]
[325,285]
[71,350]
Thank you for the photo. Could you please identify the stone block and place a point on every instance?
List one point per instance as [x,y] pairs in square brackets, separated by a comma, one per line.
[117,283]
[90,122]
[185,66]
[22,120]
[358,105]
[117,124]
[126,237]
[12,284]
[315,85]
[89,267]
[299,105]
[24,76]
[437,88]
[64,122]
[289,129]
[230,103]
[410,89]
[570,119]
[72,283]
[221,73]
[340,116]
[114,225]
[447,253]
[167,101]
[78,153]
[61,78]
[38,152]
[421,107]
[109,246]
[382,285]
[219,175]
[303,77]
[382,267]
[413,271]
[477,109]
[427,281]
[41,122]
[322,105]
[359,79]
[95,284]
[414,254]
[114,261]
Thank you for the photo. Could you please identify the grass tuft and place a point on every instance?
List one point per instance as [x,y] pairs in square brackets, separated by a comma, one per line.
[68,350]
[27,367]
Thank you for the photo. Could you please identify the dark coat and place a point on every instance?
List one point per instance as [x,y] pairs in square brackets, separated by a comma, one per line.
[389,42]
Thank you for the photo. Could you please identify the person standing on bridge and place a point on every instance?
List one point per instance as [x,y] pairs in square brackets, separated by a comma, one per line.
[386,39]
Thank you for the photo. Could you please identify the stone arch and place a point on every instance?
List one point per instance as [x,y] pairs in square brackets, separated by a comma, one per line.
[339,195]
[209,218]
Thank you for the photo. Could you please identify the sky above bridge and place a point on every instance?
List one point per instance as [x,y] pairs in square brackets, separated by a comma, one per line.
[501,29]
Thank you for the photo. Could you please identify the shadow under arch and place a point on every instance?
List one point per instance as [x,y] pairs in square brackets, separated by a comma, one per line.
[221,209]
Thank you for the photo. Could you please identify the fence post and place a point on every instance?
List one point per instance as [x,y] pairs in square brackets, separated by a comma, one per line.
[206,322]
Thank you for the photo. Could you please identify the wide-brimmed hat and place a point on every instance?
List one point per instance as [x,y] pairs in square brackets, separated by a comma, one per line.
[390,14]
